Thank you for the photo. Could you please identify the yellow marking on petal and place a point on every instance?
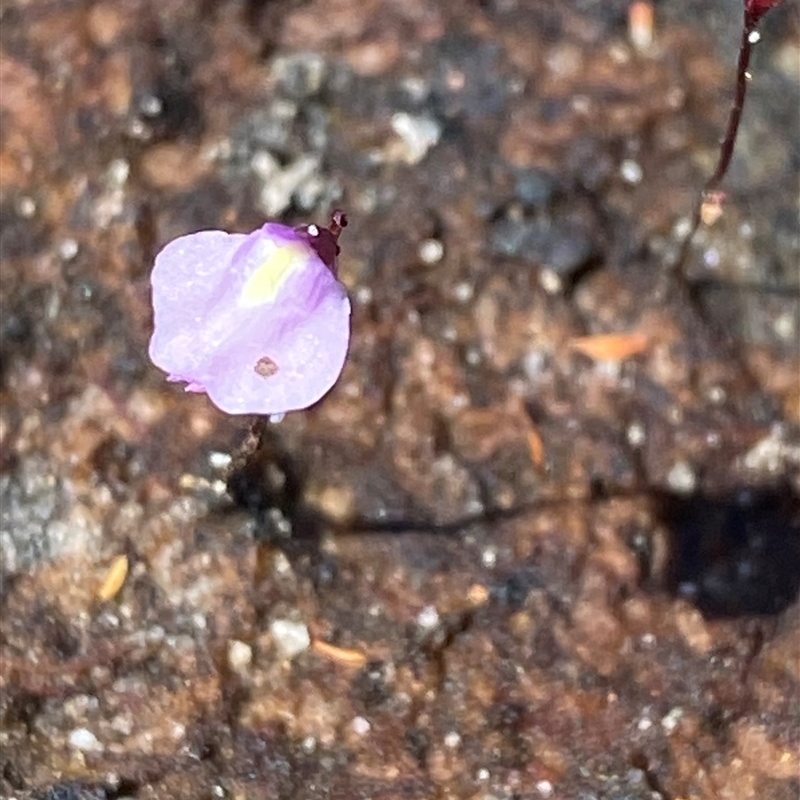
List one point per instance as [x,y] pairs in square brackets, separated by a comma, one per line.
[263,285]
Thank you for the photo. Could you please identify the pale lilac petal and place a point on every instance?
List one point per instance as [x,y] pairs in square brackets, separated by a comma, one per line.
[188,274]
[304,359]
[258,321]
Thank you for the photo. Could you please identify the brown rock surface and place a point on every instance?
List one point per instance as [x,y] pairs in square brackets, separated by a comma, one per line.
[487,565]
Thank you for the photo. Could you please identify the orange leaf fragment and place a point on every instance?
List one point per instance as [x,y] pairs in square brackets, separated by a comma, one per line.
[535,447]
[114,579]
[611,346]
[342,655]
[640,24]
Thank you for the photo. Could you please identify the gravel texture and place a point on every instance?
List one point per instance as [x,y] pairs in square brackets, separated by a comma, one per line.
[542,540]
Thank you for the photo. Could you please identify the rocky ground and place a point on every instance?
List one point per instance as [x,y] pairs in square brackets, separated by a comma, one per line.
[541,540]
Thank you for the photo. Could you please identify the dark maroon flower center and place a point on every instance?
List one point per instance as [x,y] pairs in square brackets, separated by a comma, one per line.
[325,241]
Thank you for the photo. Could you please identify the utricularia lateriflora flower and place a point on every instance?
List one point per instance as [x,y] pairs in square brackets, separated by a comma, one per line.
[258,321]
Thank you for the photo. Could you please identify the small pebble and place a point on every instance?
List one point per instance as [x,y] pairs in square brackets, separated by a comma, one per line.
[276,195]
[430,251]
[636,433]
[218,460]
[682,228]
[463,291]
[636,777]
[534,188]
[428,618]
[682,478]
[712,258]
[264,165]
[419,134]
[785,326]
[151,105]
[452,739]
[670,721]
[716,395]
[291,638]
[240,655]
[534,364]
[68,249]
[510,236]
[84,740]
[178,731]
[648,641]
[545,788]
[138,130]
[473,356]
[281,564]
[363,295]
[26,207]
[416,88]
[568,251]
[361,726]
[118,171]
[631,171]
[768,455]
[550,281]
[300,74]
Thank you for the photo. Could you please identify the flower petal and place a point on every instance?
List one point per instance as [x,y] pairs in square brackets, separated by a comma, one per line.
[189,273]
[272,369]
[258,321]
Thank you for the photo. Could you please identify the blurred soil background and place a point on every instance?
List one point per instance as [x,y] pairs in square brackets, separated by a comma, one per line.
[542,538]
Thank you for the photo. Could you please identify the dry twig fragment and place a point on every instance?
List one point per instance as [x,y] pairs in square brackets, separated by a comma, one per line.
[611,346]
[640,24]
[114,579]
[341,655]
[535,447]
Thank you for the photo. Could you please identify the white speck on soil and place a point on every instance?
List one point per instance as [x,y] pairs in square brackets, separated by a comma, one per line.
[291,638]
[669,721]
[361,726]
[430,251]
[682,478]
[84,740]
[418,134]
[428,618]
[240,655]
[636,434]
[545,788]
[631,171]
[452,740]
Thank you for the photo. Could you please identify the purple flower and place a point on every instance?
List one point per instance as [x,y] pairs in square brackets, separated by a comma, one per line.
[258,321]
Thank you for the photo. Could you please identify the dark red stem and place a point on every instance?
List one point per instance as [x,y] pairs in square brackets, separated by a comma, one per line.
[728,143]
[338,222]
[749,26]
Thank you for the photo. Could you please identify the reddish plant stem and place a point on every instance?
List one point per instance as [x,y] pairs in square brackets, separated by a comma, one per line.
[688,292]
[728,144]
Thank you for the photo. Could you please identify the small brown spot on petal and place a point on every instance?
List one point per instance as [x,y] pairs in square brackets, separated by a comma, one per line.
[266,367]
